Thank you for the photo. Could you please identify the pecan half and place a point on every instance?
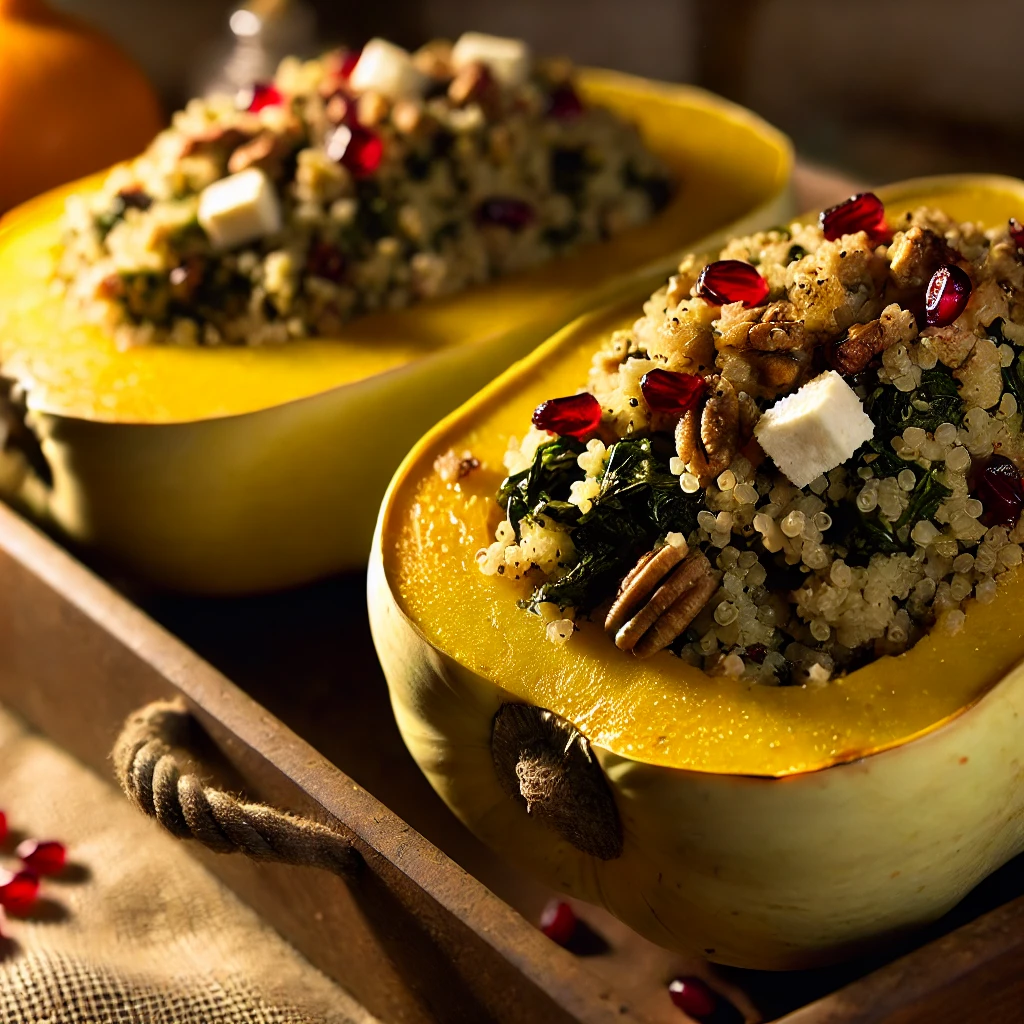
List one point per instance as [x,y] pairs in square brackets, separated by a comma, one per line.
[663,616]
[708,435]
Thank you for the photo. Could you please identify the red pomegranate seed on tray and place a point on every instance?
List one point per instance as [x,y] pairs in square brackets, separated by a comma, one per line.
[357,148]
[572,416]
[670,392]
[732,281]
[862,212]
[558,922]
[18,889]
[43,856]
[693,997]
[946,295]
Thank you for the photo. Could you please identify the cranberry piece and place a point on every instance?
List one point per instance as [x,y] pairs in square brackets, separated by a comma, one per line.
[565,102]
[506,212]
[1017,232]
[3,826]
[757,653]
[357,148]
[558,922]
[572,416]
[670,392]
[693,997]
[18,889]
[732,281]
[345,63]
[998,486]
[862,212]
[43,856]
[946,295]
[258,96]
[326,261]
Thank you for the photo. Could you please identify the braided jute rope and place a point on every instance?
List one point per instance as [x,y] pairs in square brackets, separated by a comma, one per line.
[153,780]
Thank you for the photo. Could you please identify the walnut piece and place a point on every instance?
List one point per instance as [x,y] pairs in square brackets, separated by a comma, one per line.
[707,437]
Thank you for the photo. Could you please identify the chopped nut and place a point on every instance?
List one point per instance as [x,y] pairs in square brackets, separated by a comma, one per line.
[214,136]
[916,254]
[474,83]
[708,435]
[865,341]
[434,59]
[371,109]
[407,116]
[265,151]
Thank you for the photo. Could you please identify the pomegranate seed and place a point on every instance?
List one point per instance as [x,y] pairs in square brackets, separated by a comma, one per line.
[18,889]
[998,486]
[357,148]
[258,96]
[43,856]
[572,416]
[558,922]
[693,997]
[326,261]
[670,392]
[862,212]
[946,295]
[3,826]
[732,281]
[1017,232]
[514,214]
[565,103]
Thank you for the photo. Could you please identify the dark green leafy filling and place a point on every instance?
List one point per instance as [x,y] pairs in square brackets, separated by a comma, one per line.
[640,501]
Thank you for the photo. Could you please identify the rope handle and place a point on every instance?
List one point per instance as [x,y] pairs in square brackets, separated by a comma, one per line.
[152,778]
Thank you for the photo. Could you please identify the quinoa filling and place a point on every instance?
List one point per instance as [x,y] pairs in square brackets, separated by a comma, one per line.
[356,182]
[803,456]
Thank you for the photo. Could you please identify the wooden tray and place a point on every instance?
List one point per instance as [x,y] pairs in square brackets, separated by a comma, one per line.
[422,935]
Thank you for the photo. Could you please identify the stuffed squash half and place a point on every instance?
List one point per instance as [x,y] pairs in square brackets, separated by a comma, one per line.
[714,616]
[196,340]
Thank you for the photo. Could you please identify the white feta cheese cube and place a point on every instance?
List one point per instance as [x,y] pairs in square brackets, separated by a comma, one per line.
[507,59]
[239,209]
[387,69]
[814,429]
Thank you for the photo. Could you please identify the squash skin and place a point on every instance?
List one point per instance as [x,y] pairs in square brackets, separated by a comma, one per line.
[249,480]
[760,872]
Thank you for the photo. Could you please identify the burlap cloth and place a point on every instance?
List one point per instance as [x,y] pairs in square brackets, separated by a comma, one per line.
[136,931]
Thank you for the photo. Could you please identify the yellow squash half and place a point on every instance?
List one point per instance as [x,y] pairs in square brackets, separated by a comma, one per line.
[235,469]
[769,827]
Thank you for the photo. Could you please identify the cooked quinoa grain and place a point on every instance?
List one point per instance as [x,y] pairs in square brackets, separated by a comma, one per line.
[882,545]
[346,186]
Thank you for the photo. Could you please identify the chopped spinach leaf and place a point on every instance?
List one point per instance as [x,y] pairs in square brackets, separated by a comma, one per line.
[1013,379]
[935,401]
[639,501]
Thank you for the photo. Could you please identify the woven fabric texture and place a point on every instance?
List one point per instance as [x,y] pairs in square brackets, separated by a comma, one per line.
[135,931]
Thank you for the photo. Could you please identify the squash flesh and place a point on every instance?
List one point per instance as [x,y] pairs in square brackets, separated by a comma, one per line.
[730,163]
[664,712]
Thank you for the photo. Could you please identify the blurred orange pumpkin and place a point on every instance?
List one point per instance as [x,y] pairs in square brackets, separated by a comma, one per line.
[71,102]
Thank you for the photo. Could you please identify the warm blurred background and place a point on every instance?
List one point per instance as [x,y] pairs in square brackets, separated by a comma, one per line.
[883,89]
